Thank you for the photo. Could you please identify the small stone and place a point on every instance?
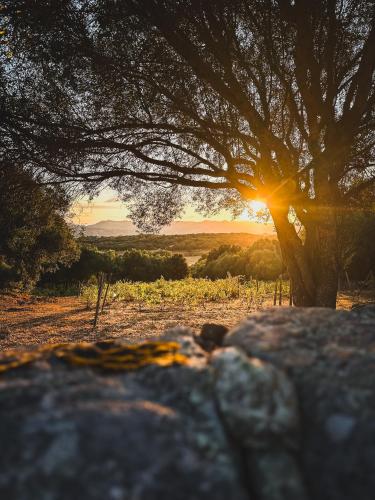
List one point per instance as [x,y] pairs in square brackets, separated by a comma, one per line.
[184,335]
[211,336]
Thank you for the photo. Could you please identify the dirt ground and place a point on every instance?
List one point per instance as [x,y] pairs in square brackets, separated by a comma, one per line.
[29,321]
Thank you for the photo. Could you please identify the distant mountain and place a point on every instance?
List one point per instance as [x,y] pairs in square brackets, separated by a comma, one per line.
[126,227]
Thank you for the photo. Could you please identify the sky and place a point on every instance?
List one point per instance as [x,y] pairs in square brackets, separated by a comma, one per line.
[107,206]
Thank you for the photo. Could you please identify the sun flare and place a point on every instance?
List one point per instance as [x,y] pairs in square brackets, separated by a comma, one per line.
[257,205]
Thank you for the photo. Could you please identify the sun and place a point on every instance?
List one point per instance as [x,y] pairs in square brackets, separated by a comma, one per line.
[257,205]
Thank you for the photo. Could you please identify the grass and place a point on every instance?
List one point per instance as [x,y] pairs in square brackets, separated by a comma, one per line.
[190,291]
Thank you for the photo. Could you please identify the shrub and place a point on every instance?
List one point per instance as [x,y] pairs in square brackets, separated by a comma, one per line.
[261,261]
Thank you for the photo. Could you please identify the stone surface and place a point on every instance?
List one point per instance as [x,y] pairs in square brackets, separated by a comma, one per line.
[258,405]
[284,411]
[256,400]
[330,358]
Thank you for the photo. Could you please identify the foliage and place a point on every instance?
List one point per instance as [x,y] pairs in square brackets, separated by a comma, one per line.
[187,292]
[357,244]
[8,275]
[133,265]
[140,265]
[34,237]
[91,262]
[261,261]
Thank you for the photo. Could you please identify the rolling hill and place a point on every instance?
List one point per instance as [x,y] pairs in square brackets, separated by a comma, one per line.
[126,228]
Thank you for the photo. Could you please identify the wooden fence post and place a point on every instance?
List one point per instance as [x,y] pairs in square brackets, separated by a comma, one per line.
[100,278]
[275,294]
[290,293]
[106,291]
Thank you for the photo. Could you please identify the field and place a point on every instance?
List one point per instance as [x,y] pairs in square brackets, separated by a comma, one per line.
[28,320]
[188,292]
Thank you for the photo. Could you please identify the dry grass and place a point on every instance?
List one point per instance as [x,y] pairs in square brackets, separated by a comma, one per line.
[29,321]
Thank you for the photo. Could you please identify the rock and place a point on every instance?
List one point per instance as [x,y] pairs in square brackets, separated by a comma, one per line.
[186,338]
[149,434]
[330,357]
[284,410]
[211,336]
[256,400]
[259,407]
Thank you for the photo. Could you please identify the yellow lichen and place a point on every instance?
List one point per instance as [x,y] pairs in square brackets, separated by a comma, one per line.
[107,355]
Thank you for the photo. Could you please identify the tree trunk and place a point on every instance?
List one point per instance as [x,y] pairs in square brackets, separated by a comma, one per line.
[312,264]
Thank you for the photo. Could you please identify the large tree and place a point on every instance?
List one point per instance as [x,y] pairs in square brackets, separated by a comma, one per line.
[270,99]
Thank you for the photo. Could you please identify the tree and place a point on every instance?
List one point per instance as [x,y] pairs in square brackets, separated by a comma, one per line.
[90,263]
[141,265]
[270,99]
[34,237]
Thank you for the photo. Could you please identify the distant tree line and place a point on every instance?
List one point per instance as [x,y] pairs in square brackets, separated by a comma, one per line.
[132,265]
[187,243]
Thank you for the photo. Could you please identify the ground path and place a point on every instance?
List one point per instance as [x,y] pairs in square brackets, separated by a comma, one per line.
[28,321]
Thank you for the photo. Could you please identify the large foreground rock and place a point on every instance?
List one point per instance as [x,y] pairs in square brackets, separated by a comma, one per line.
[284,410]
[330,358]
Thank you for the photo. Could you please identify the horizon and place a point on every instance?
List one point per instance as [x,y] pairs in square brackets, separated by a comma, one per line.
[196,221]
[125,227]
[108,207]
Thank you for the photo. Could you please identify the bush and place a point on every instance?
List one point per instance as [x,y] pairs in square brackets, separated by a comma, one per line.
[261,261]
